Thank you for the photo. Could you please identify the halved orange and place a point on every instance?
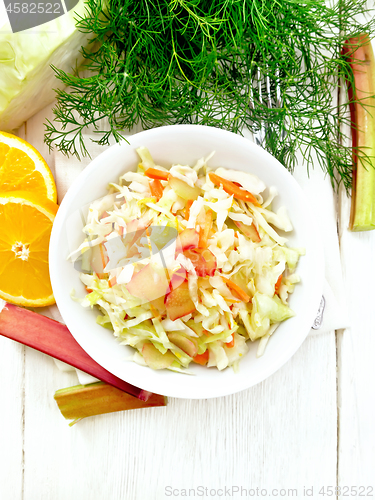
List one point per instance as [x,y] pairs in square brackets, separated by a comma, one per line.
[25,229]
[22,167]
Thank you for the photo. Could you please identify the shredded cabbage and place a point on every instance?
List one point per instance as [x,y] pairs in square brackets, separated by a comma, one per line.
[224,282]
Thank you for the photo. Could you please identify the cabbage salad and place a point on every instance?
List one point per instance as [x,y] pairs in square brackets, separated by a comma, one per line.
[186,265]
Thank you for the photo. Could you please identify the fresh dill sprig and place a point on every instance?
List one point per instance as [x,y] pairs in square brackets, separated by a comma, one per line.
[158,62]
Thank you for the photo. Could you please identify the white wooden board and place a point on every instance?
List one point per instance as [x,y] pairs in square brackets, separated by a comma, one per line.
[356,360]
[12,379]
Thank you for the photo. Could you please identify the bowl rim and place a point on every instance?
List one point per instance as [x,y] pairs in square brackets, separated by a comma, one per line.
[73,191]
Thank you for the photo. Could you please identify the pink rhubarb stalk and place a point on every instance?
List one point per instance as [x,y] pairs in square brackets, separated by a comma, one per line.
[54,338]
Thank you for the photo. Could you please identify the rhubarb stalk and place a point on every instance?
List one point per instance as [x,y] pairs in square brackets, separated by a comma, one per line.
[361,92]
[54,338]
[83,401]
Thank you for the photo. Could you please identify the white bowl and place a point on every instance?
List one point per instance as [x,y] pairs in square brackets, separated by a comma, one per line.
[185,144]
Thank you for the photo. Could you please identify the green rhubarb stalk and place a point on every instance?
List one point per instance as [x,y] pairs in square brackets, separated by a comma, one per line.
[83,401]
[361,92]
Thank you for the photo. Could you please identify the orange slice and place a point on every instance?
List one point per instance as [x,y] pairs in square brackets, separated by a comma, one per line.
[23,168]
[25,229]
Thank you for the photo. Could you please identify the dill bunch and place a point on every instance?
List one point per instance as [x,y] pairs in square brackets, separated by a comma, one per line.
[158,62]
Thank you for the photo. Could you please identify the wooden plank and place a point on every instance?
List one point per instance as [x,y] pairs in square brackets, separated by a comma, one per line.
[356,348]
[34,134]
[11,419]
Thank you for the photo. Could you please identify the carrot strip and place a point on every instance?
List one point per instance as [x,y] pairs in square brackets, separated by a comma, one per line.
[187,209]
[103,256]
[205,230]
[154,173]
[231,188]
[231,343]
[156,188]
[112,282]
[237,291]
[278,283]
[202,359]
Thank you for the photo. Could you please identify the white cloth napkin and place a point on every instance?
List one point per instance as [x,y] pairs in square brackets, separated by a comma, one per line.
[323,201]
[320,194]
